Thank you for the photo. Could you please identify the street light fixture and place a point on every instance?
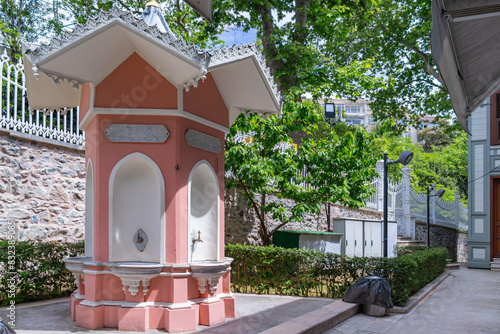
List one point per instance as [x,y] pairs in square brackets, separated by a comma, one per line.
[438,194]
[404,159]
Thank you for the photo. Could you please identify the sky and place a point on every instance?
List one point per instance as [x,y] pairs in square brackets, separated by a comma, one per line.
[238,36]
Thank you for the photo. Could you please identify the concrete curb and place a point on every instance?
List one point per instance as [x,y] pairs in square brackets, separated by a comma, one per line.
[419,296]
[317,321]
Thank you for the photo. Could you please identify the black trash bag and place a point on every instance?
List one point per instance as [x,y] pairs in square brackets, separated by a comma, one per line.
[370,290]
[5,329]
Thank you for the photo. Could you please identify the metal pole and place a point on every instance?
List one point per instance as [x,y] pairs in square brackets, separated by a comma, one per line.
[386,186]
[428,217]
[328,216]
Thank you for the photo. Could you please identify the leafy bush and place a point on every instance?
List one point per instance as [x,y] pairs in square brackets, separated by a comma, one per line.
[38,269]
[408,249]
[299,272]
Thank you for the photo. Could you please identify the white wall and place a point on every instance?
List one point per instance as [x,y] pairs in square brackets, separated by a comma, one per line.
[89,210]
[203,213]
[137,201]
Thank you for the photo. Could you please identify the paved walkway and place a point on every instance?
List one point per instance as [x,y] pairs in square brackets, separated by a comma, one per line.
[255,313]
[466,302]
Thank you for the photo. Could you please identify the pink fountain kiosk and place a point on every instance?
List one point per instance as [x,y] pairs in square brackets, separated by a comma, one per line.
[155,112]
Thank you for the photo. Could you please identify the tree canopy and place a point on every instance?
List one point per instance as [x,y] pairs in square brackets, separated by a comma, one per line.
[447,166]
[324,168]
[375,49]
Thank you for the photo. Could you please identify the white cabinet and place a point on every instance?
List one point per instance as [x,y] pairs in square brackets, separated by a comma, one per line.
[353,236]
[373,239]
[365,237]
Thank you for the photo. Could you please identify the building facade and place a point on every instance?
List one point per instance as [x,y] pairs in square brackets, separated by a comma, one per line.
[349,112]
[484,184]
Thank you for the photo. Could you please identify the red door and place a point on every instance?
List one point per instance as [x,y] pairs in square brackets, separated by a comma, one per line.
[496,219]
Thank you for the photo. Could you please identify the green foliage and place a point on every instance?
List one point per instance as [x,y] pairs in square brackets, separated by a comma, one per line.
[408,249]
[299,272]
[29,21]
[38,268]
[324,168]
[378,50]
[447,166]
[434,138]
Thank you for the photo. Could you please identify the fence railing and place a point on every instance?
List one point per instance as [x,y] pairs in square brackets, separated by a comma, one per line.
[62,125]
[407,206]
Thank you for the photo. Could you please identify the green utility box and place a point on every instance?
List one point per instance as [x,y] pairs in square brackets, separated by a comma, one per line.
[326,242]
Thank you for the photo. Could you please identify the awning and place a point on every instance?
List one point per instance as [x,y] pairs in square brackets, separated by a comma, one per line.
[466,49]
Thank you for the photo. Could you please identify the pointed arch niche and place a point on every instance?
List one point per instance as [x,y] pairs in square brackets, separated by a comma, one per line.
[136,210]
[89,210]
[203,213]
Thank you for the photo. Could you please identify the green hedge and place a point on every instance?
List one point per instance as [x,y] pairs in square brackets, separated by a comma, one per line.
[298,272]
[39,270]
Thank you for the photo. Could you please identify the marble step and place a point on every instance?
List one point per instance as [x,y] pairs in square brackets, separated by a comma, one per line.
[495,265]
[409,241]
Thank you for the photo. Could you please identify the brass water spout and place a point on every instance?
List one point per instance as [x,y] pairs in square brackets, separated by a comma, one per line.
[199,237]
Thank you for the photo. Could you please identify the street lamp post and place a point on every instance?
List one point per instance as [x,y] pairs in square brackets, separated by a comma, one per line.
[404,159]
[438,194]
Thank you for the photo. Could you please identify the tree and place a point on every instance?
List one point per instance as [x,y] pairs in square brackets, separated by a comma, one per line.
[27,20]
[325,168]
[433,138]
[447,166]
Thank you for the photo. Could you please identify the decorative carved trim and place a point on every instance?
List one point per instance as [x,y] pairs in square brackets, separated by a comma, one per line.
[237,52]
[114,15]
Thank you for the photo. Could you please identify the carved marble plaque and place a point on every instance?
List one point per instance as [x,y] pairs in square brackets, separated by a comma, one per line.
[203,141]
[137,133]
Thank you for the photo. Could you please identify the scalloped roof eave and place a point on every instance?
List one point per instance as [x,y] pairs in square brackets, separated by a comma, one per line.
[218,57]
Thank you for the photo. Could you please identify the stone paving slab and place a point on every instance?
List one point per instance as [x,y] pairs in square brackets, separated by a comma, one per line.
[466,302]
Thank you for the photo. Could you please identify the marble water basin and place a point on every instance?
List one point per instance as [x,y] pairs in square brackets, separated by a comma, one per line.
[76,264]
[208,269]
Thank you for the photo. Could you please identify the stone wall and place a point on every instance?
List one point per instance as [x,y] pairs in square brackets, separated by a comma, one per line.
[442,237]
[242,225]
[462,247]
[42,188]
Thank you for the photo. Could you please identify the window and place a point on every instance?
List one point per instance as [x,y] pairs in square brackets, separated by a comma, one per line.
[495,119]
[355,121]
[407,134]
[352,109]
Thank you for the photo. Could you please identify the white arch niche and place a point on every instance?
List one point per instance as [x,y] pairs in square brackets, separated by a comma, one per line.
[89,210]
[136,202]
[203,213]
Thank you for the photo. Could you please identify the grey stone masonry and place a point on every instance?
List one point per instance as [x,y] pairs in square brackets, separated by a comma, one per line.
[242,224]
[455,241]
[42,189]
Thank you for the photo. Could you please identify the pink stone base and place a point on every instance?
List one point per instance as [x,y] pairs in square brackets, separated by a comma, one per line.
[89,317]
[229,307]
[180,320]
[73,303]
[142,319]
[133,319]
[212,314]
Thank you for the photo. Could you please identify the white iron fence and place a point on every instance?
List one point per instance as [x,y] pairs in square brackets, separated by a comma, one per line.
[407,206]
[60,125]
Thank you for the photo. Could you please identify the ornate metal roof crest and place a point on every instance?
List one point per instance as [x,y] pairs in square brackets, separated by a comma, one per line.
[104,18]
